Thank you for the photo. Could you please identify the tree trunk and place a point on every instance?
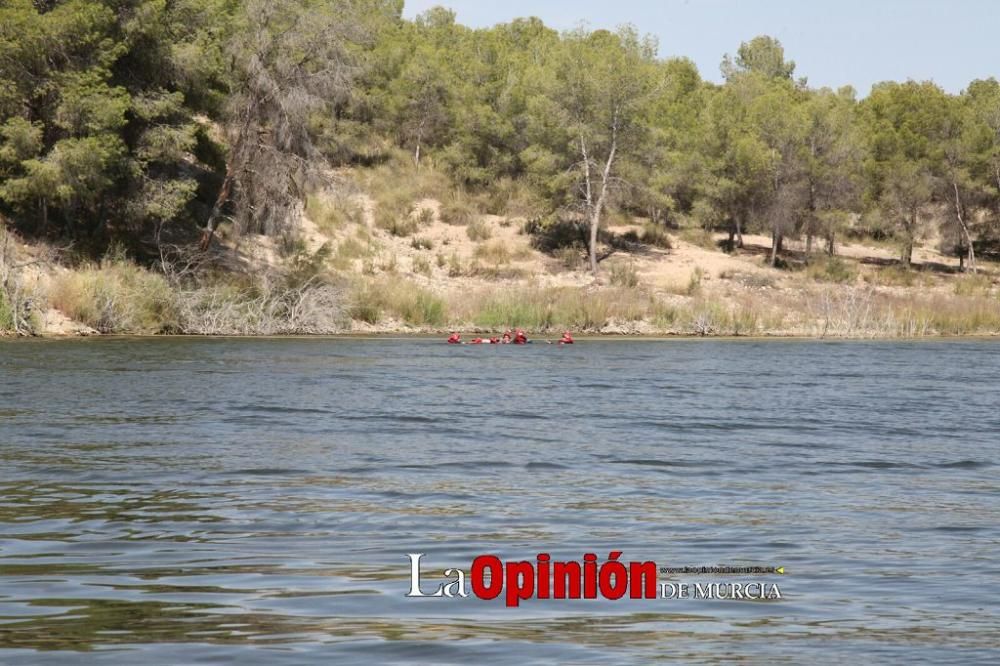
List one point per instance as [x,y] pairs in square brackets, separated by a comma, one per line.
[831,247]
[774,249]
[809,243]
[595,208]
[965,231]
[416,156]
[739,232]
[907,254]
[595,221]
[213,220]
[731,243]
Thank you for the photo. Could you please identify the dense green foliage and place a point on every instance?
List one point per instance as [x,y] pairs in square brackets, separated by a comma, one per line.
[136,120]
[98,102]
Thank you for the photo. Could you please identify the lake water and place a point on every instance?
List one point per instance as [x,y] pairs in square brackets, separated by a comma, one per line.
[253,501]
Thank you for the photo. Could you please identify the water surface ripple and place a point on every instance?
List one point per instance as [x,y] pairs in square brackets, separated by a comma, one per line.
[213,501]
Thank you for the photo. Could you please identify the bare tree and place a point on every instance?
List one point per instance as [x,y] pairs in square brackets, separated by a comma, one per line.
[604,80]
[290,60]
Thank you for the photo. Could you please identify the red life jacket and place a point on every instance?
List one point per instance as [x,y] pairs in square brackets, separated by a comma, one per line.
[454,339]
[520,339]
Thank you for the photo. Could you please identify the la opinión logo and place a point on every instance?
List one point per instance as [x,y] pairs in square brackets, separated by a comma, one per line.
[489,577]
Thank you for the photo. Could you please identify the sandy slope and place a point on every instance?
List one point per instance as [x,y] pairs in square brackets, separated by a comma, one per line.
[658,269]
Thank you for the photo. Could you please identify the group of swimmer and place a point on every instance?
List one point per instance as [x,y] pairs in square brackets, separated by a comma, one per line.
[515,337]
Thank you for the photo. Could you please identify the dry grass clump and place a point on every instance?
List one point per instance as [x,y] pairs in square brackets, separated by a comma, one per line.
[422,266]
[331,216]
[973,284]
[494,253]
[713,317]
[374,300]
[6,313]
[656,236]
[400,222]
[512,198]
[267,306]
[872,313]
[548,309]
[832,269]
[624,274]
[457,210]
[749,280]
[699,237]
[398,187]
[694,282]
[350,250]
[895,276]
[478,230]
[117,296]
[571,257]
[398,180]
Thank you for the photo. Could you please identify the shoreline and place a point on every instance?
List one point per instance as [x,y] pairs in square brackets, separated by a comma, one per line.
[390,336]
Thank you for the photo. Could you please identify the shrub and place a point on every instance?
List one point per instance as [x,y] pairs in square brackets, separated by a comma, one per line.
[832,269]
[425,216]
[550,234]
[655,235]
[700,237]
[329,216]
[510,197]
[457,211]
[266,306]
[497,272]
[479,231]
[522,253]
[624,275]
[422,265]
[397,223]
[422,243]
[455,268]
[347,252]
[495,253]
[752,280]
[694,282]
[544,309]
[6,313]
[397,183]
[400,298]
[306,266]
[570,256]
[898,275]
[116,296]
[973,285]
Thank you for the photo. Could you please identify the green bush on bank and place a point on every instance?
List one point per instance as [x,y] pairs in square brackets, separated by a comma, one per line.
[6,313]
[116,296]
[374,300]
